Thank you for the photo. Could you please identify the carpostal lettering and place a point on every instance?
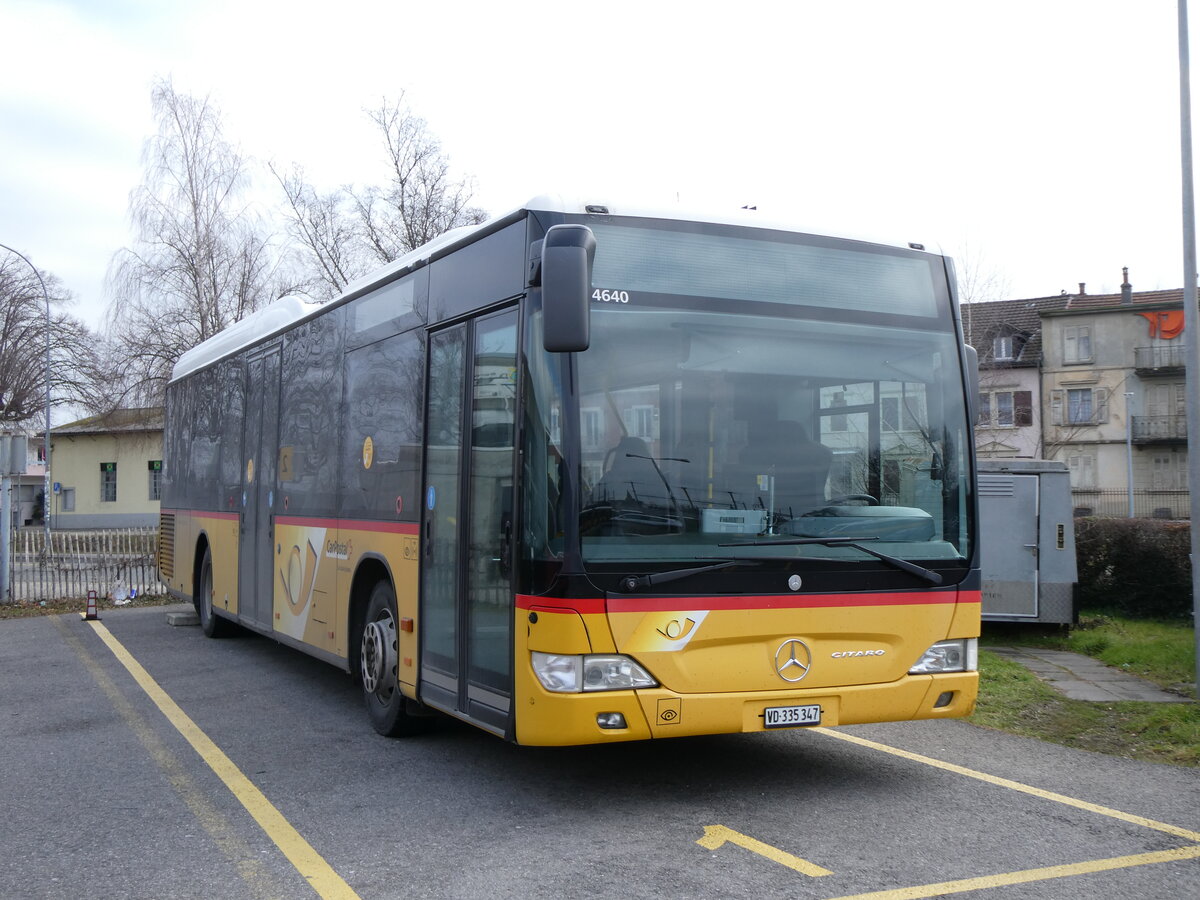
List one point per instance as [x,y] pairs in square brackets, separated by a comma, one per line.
[337,551]
[845,654]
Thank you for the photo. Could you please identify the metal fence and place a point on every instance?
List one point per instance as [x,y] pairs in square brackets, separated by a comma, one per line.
[1111,503]
[113,563]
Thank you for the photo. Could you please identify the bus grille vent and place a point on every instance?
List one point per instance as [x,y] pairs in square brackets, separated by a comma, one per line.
[166,546]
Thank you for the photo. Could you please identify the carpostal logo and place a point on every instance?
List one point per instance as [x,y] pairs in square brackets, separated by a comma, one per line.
[334,550]
[847,654]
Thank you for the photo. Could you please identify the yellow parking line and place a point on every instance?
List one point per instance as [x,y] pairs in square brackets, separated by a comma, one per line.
[1010,878]
[1016,786]
[716,836]
[310,864]
[211,819]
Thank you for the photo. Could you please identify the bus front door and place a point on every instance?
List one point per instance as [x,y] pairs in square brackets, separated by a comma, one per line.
[467,594]
[256,550]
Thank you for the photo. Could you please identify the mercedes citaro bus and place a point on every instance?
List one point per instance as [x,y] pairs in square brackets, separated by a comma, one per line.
[589,473]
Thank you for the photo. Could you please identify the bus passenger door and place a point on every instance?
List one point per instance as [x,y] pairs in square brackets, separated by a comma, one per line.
[467,594]
[256,549]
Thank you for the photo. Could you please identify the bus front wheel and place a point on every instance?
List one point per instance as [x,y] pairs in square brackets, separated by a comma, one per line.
[378,658]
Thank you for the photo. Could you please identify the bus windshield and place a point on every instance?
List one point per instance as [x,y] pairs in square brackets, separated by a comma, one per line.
[710,422]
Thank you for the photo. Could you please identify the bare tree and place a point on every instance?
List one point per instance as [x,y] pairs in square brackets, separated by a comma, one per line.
[201,259]
[325,231]
[346,233]
[978,280]
[23,330]
[421,200]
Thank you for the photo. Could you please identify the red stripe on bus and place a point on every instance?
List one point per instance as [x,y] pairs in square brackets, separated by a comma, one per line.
[350,524]
[584,605]
[814,601]
[312,522]
[201,513]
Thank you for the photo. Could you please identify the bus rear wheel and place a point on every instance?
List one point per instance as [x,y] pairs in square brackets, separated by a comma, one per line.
[211,624]
[379,659]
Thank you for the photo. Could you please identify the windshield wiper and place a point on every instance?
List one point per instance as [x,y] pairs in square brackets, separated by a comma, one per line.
[894,561]
[632,583]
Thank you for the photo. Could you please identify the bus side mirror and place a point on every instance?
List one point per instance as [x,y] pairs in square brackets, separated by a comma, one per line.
[568,252]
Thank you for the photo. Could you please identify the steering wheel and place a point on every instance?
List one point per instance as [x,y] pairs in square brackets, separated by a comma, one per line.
[836,501]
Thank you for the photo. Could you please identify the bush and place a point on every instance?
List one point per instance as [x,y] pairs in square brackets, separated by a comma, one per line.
[1136,567]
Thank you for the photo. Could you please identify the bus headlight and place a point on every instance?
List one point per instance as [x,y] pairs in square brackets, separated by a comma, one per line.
[572,674]
[948,656]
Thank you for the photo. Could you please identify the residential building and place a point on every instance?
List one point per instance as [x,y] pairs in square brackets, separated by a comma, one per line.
[1093,380]
[1007,335]
[28,484]
[1113,392]
[106,470]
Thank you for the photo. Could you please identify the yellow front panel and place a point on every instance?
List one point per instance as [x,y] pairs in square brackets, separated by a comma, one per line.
[735,649]
[720,668]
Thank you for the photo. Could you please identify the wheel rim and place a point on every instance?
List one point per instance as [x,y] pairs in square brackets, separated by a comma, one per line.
[379,657]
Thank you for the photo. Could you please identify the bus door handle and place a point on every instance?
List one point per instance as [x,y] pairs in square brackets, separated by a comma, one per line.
[505,557]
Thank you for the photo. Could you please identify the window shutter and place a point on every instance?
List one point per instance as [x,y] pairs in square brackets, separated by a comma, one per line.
[1023,408]
[1056,407]
[985,409]
[1100,405]
[1083,471]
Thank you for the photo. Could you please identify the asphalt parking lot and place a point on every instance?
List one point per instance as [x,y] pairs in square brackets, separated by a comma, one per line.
[143,760]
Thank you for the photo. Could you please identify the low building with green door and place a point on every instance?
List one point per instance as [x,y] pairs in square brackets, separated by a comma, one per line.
[106,471]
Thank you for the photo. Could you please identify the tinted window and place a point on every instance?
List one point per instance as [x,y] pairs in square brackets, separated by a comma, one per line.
[310,417]
[381,455]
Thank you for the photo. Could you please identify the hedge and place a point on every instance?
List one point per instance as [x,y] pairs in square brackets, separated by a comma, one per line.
[1136,567]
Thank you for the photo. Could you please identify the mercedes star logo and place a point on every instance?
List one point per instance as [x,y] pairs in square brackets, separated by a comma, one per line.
[792,659]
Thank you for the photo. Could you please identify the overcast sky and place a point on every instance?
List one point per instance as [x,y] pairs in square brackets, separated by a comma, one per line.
[1039,137]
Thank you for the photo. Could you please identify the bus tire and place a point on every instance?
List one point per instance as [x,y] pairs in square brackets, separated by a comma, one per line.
[211,624]
[378,662]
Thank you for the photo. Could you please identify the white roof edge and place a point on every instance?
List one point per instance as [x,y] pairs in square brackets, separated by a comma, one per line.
[287,310]
[421,254]
[242,333]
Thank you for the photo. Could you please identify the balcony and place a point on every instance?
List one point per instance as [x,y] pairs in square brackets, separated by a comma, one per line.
[1164,359]
[1160,429]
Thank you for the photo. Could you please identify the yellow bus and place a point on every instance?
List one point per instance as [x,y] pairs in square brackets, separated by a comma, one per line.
[590,473]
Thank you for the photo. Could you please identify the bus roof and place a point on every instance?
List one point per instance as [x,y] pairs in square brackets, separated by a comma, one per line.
[286,311]
[746,218]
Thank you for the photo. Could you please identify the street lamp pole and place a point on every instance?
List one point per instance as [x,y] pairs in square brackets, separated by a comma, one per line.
[46,448]
[1129,447]
[1191,316]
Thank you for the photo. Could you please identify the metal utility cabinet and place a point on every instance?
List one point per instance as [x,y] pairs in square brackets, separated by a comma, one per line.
[1027,540]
